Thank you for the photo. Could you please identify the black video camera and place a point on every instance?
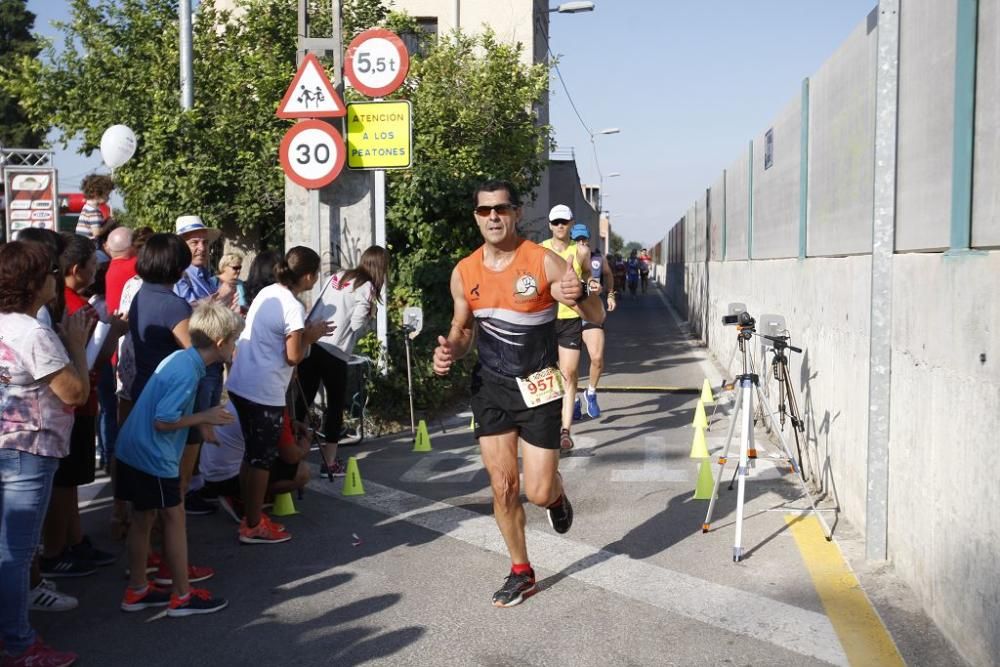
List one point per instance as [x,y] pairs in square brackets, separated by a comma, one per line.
[742,319]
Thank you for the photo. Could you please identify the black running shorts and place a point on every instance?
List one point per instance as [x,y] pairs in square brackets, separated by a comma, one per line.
[587,326]
[261,426]
[146,492]
[497,406]
[568,333]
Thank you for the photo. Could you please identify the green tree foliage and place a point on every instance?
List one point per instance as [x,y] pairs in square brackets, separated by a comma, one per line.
[632,245]
[473,102]
[16,42]
[119,64]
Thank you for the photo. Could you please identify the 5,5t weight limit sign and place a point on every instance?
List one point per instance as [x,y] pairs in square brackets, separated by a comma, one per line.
[376,62]
[312,154]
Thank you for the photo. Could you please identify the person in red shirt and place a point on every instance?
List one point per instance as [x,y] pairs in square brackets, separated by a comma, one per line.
[122,266]
[120,247]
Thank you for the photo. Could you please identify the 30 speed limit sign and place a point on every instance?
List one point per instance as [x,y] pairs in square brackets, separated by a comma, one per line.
[376,62]
[312,154]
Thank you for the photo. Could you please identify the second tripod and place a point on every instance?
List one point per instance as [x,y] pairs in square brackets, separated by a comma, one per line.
[748,384]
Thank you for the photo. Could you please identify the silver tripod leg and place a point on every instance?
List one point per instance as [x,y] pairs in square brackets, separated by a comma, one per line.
[722,466]
[791,461]
[746,444]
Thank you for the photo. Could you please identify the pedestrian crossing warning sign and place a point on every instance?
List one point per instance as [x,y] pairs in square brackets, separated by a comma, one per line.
[379,135]
[311,95]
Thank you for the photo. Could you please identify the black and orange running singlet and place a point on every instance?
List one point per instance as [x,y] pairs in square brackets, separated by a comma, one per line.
[515,313]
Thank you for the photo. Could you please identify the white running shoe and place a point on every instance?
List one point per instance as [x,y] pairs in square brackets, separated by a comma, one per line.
[45,597]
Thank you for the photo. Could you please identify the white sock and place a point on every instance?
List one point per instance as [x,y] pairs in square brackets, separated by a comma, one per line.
[591,390]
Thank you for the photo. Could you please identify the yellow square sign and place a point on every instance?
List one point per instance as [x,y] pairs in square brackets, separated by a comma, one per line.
[379,135]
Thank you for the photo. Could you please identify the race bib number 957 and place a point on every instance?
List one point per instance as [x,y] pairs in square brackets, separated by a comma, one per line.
[542,387]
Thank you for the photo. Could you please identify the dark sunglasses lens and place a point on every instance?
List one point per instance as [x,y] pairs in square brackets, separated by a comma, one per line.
[559,223]
[501,209]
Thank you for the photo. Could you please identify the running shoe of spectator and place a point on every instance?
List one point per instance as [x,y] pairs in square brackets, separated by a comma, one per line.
[150,596]
[66,565]
[40,655]
[196,505]
[197,601]
[337,469]
[265,532]
[45,597]
[86,551]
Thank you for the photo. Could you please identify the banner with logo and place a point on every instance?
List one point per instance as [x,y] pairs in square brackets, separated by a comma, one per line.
[30,198]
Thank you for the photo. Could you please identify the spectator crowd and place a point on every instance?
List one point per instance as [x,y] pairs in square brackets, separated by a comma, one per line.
[126,351]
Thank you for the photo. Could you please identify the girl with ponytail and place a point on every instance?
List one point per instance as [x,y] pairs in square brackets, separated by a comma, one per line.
[275,340]
[348,302]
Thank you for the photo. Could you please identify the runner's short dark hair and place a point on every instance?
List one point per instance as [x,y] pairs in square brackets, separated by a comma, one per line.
[493,186]
[163,259]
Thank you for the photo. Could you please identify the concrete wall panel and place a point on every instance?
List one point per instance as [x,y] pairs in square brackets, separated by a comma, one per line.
[737,222]
[717,206]
[986,180]
[701,229]
[841,152]
[776,188]
[825,303]
[926,116]
[943,529]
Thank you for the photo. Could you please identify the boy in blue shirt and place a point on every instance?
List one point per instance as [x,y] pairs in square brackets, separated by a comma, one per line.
[149,450]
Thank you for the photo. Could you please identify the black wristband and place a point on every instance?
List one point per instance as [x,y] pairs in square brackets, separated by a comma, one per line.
[586,292]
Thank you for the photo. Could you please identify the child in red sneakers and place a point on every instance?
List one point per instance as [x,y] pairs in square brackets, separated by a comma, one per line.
[148,457]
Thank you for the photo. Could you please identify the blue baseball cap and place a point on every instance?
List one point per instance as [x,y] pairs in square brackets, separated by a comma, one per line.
[579,231]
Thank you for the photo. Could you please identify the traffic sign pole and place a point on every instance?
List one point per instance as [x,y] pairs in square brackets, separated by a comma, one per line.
[376,64]
[382,317]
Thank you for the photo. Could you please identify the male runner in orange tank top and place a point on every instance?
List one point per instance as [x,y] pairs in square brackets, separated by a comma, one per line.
[505,296]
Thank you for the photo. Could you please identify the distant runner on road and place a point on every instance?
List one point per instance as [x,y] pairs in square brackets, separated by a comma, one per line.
[593,332]
[569,326]
[508,288]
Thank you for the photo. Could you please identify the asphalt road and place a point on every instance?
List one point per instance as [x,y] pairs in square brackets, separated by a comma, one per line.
[403,575]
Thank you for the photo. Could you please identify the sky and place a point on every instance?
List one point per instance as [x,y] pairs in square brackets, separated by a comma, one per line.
[687,82]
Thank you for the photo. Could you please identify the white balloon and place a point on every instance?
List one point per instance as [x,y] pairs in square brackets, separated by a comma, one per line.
[117,145]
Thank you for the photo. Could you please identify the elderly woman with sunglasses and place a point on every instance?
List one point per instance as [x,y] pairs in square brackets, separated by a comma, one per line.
[230,266]
[42,376]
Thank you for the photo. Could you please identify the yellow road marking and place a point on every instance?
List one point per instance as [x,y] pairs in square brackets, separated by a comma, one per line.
[651,389]
[858,626]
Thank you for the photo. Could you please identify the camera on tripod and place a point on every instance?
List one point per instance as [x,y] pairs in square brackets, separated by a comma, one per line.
[742,319]
[744,322]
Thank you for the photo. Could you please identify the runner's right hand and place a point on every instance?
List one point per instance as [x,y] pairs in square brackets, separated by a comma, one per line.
[443,356]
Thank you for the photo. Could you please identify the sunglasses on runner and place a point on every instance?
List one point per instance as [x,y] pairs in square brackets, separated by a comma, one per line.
[501,209]
[558,223]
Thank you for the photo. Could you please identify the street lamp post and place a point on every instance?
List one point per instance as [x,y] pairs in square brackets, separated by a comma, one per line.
[597,162]
[187,69]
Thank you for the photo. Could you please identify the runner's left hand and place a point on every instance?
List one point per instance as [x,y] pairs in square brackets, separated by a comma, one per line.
[572,289]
